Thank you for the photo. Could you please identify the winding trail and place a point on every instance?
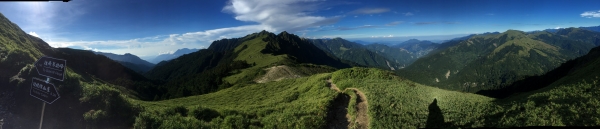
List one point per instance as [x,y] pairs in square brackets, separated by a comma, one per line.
[362,118]
[338,117]
[333,86]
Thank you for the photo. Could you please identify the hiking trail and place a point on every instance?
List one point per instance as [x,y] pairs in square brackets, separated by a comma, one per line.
[338,117]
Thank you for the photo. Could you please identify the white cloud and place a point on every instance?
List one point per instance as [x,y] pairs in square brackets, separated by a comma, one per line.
[165,52]
[89,48]
[345,35]
[354,28]
[408,14]
[33,34]
[388,36]
[278,15]
[149,46]
[591,14]
[270,15]
[394,23]
[370,11]
[43,18]
[558,27]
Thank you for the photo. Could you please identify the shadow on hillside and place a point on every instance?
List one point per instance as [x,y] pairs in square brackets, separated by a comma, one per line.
[336,115]
[435,119]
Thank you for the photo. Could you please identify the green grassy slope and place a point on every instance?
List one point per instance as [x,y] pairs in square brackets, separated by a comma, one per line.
[235,61]
[290,103]
[92,92]
[101,93]
[301,50]
[17,48]
[569,100]
[400,56]
[581,68]
[392,102]
[396,102]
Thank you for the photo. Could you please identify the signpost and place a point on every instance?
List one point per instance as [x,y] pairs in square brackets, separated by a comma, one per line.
[51,67]
[44,90]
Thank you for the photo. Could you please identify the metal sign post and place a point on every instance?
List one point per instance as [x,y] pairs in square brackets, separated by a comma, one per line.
[51,67]
[44,90]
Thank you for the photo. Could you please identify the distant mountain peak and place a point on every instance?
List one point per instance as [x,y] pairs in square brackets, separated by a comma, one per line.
[129,60]
[510,31]
[172,55]
[413,40]
[284,33]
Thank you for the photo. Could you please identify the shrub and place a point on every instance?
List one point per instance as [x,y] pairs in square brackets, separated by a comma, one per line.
[205,114]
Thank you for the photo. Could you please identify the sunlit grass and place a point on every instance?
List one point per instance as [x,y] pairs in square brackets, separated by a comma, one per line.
[290,103]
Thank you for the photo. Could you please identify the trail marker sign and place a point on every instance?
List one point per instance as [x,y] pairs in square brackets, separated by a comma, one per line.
[51,67]
[44,91]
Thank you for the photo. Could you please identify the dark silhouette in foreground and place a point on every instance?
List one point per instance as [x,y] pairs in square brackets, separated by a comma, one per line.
[336,115]
[435,119]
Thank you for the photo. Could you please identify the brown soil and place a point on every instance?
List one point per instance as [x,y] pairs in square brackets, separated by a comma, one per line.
[362,118]
[338,117]
[333,86]
[277,73]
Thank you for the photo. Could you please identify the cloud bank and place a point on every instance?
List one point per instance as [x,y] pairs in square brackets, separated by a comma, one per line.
[591,14]
[271,15]
[370,11]
[33,34]
[278,15]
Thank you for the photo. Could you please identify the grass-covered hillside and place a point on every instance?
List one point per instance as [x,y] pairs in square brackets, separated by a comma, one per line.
[289,103]
[579,69]
[265,80]
[93,92]
[400,56]
[493,61]
[416,47]
[391,102]
[237,61]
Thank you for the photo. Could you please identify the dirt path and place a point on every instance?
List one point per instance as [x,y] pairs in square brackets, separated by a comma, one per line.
[333,86]
[362,118]
[338,117]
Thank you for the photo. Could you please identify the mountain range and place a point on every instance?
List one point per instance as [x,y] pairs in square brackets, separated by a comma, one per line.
[416,47]
[496,60]
[130,61]
[354,52]
[169,56]
[268,80]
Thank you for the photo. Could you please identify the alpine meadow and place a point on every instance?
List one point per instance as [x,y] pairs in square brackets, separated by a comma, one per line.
[299,64]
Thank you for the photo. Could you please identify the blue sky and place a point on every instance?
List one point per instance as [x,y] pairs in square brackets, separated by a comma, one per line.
[149,27]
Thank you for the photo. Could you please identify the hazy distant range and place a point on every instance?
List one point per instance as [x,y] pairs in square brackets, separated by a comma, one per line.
[399,39]
[168,56]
